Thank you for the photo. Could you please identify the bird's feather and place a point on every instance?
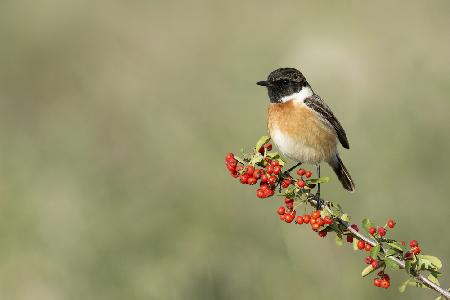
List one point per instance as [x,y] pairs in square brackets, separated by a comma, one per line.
[319,106]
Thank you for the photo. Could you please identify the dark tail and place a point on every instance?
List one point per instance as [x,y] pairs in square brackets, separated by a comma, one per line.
[342,173]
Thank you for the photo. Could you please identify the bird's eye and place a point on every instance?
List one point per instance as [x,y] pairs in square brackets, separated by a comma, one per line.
[285,82]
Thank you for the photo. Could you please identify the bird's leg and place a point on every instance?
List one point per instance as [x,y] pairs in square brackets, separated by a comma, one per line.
[319,202]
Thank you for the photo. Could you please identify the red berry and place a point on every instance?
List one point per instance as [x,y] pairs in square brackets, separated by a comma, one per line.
[413,243]
[269,169]
[391,223]
[290,205]
[372,230]
[283,217]
[368,260]
[229,156]
[260,193]
[261,150]
[327,220]
[272,180]
[349,239]
[264,186]
[315,226]
[276,170]
[289,218]
[281,210]
[374,264]
[264,178]
[315,214]
[288,200]
[408,255]
[368,247]
[308,174]
[234,174]
[232,163]
[355,227]
[385,284]
[377,282]
[300,183]
[385,277]
[286,183]
[301,172]
[361,244]
[415,250]
[268,147]
[403,243]
[269,192]
[252,180]
[299,220]
[249,171]
[231,168]
[320,221]
[382,231]
[306,219]
[244,178]
[312,221]
[323,233]
[274,163]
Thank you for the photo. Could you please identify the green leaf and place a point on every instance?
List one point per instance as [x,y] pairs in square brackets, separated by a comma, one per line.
[408,265]
[367,270]
[257,158]
[318,180]
[391,252]
[391,264]
[432,259]
[366,224]
[262,141]
[345,218]
[405,284]
[375,250]
[433,279]
[355,244]
[239,159]
[396,245]
[339,241]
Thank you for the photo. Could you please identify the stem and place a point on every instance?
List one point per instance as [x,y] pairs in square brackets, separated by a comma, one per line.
[400,262]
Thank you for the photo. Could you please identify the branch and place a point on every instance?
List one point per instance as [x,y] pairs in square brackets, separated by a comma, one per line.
[400,262]
[384,252]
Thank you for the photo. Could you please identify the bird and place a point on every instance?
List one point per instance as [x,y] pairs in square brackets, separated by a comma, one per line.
[302,125]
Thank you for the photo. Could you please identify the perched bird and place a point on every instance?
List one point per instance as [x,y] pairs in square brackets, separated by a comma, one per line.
[302,125]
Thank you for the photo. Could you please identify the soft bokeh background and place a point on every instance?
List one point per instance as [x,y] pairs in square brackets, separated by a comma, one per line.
[115,117]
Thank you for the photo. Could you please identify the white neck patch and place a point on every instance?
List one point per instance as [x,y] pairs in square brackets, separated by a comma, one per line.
[299,97]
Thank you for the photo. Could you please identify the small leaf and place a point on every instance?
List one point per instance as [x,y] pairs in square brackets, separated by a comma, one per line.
[408,265]
[339,241]
[367,270]
[318,180]
[257,158]
[433,279]
[262,141]
[345,218]
[391,252]
[366,224]
[396,245]
[433,259]
[375,250]
[391,264]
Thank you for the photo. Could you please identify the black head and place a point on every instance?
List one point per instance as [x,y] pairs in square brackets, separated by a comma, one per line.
[283,82]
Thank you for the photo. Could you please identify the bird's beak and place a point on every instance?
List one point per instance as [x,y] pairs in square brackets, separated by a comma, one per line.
[263,83]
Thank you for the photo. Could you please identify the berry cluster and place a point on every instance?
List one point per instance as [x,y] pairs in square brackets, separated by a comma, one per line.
[414,249]
[383,280]
[266,168]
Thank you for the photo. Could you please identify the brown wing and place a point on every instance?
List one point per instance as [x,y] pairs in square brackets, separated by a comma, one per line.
[319,106]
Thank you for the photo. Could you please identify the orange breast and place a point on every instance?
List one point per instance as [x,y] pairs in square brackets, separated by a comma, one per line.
[300,133]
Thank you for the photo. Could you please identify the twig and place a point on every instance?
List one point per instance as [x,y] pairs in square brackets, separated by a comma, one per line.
[400,262]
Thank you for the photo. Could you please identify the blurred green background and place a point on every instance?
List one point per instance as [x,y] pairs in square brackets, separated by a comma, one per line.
[115,117]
